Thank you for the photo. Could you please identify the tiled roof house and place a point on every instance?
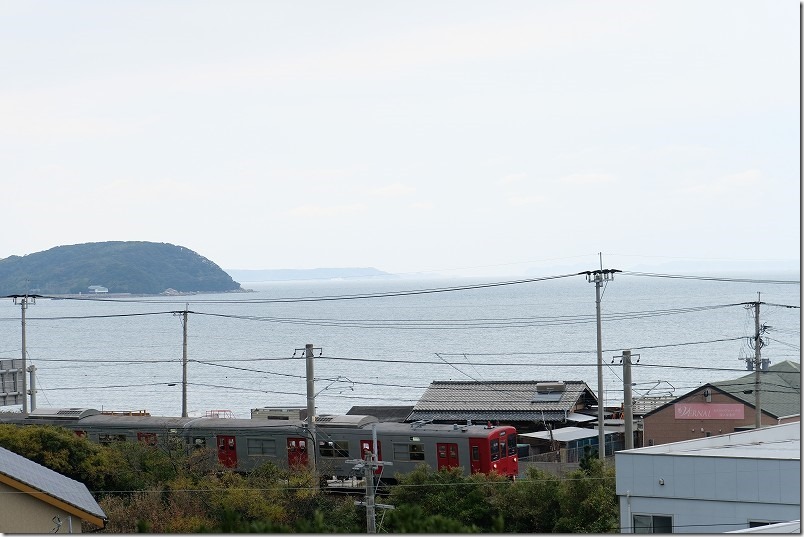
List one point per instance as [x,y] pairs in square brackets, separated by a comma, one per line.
[39,500]
[504,401]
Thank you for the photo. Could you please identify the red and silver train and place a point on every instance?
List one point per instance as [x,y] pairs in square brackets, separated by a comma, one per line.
[244,444]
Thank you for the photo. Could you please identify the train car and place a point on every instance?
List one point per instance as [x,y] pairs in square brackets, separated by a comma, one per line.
[244,444]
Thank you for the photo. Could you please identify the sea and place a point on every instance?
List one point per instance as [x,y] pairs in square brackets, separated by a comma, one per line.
[383,341]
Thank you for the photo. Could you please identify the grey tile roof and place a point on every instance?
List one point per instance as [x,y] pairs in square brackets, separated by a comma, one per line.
[48,481]
[498,400]
[780,389]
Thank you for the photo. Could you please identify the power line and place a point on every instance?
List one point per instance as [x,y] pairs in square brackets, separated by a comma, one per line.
[385,294]
[711,278]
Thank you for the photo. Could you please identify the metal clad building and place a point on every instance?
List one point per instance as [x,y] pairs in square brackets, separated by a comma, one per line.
[712,485]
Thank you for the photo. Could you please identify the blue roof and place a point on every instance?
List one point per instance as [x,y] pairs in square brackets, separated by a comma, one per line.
[52,483]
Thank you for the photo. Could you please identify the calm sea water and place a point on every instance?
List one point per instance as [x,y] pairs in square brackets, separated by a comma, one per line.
[127,354]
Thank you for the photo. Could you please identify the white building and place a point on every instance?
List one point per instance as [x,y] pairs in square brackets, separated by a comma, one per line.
[712,485]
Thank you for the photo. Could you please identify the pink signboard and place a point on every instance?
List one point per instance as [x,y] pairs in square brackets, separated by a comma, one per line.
[709,411]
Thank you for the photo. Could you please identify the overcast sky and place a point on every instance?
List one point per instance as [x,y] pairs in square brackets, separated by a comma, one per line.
[462,136]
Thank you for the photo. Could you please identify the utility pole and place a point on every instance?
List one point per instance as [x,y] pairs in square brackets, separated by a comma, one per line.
[32,370]
[23,302]
[757,365]
[369,465]
[308,354]
[598,277]
[628,405]
[184,363]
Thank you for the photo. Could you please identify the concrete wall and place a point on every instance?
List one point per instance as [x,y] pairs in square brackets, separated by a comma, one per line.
[707,494]
[23,513]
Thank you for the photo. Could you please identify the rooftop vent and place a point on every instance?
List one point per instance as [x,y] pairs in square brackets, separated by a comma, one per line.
[61,413]
[348,420]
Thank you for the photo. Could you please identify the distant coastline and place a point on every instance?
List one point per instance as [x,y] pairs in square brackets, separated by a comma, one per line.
[283,275]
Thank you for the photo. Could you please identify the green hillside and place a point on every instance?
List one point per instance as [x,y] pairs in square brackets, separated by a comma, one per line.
[120,267]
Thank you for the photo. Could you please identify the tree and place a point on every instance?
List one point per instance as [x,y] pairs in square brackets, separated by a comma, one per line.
[450,494]
[588,500]
[531,504]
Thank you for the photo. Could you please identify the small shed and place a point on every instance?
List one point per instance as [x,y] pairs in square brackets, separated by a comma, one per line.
[37,499]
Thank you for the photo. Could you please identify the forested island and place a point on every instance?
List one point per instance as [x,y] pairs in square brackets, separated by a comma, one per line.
[113,267]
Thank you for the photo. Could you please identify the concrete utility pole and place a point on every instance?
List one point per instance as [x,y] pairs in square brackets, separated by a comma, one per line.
[308,353]
[184,363]
[23,302]
[370,464]
[32,370]
[598,277]
[628,406]
[757,365]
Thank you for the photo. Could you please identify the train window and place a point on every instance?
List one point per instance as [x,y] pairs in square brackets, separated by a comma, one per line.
[512,445]
[416,452]
[495,450]
[475,453]
[261,447]
[409,452]
[336,448]
[149,439]
[106,439]
[199,442]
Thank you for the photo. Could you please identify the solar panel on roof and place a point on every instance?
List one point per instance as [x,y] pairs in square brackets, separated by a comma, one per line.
[546,397]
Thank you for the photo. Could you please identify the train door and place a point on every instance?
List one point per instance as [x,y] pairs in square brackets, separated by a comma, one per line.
[447,455]
[297,452]
[368,445]
[478,454]
[227,451]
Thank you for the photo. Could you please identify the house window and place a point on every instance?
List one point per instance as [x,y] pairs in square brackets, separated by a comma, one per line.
[260,447]
[336,448]
[653,524]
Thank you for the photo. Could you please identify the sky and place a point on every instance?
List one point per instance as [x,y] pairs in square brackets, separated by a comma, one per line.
[460,137]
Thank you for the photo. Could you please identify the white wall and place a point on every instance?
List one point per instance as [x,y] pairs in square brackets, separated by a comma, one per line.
[707,494]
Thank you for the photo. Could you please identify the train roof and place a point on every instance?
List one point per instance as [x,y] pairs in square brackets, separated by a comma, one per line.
[410,429]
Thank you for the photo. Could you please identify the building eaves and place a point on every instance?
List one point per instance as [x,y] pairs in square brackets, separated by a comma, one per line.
[27,476]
